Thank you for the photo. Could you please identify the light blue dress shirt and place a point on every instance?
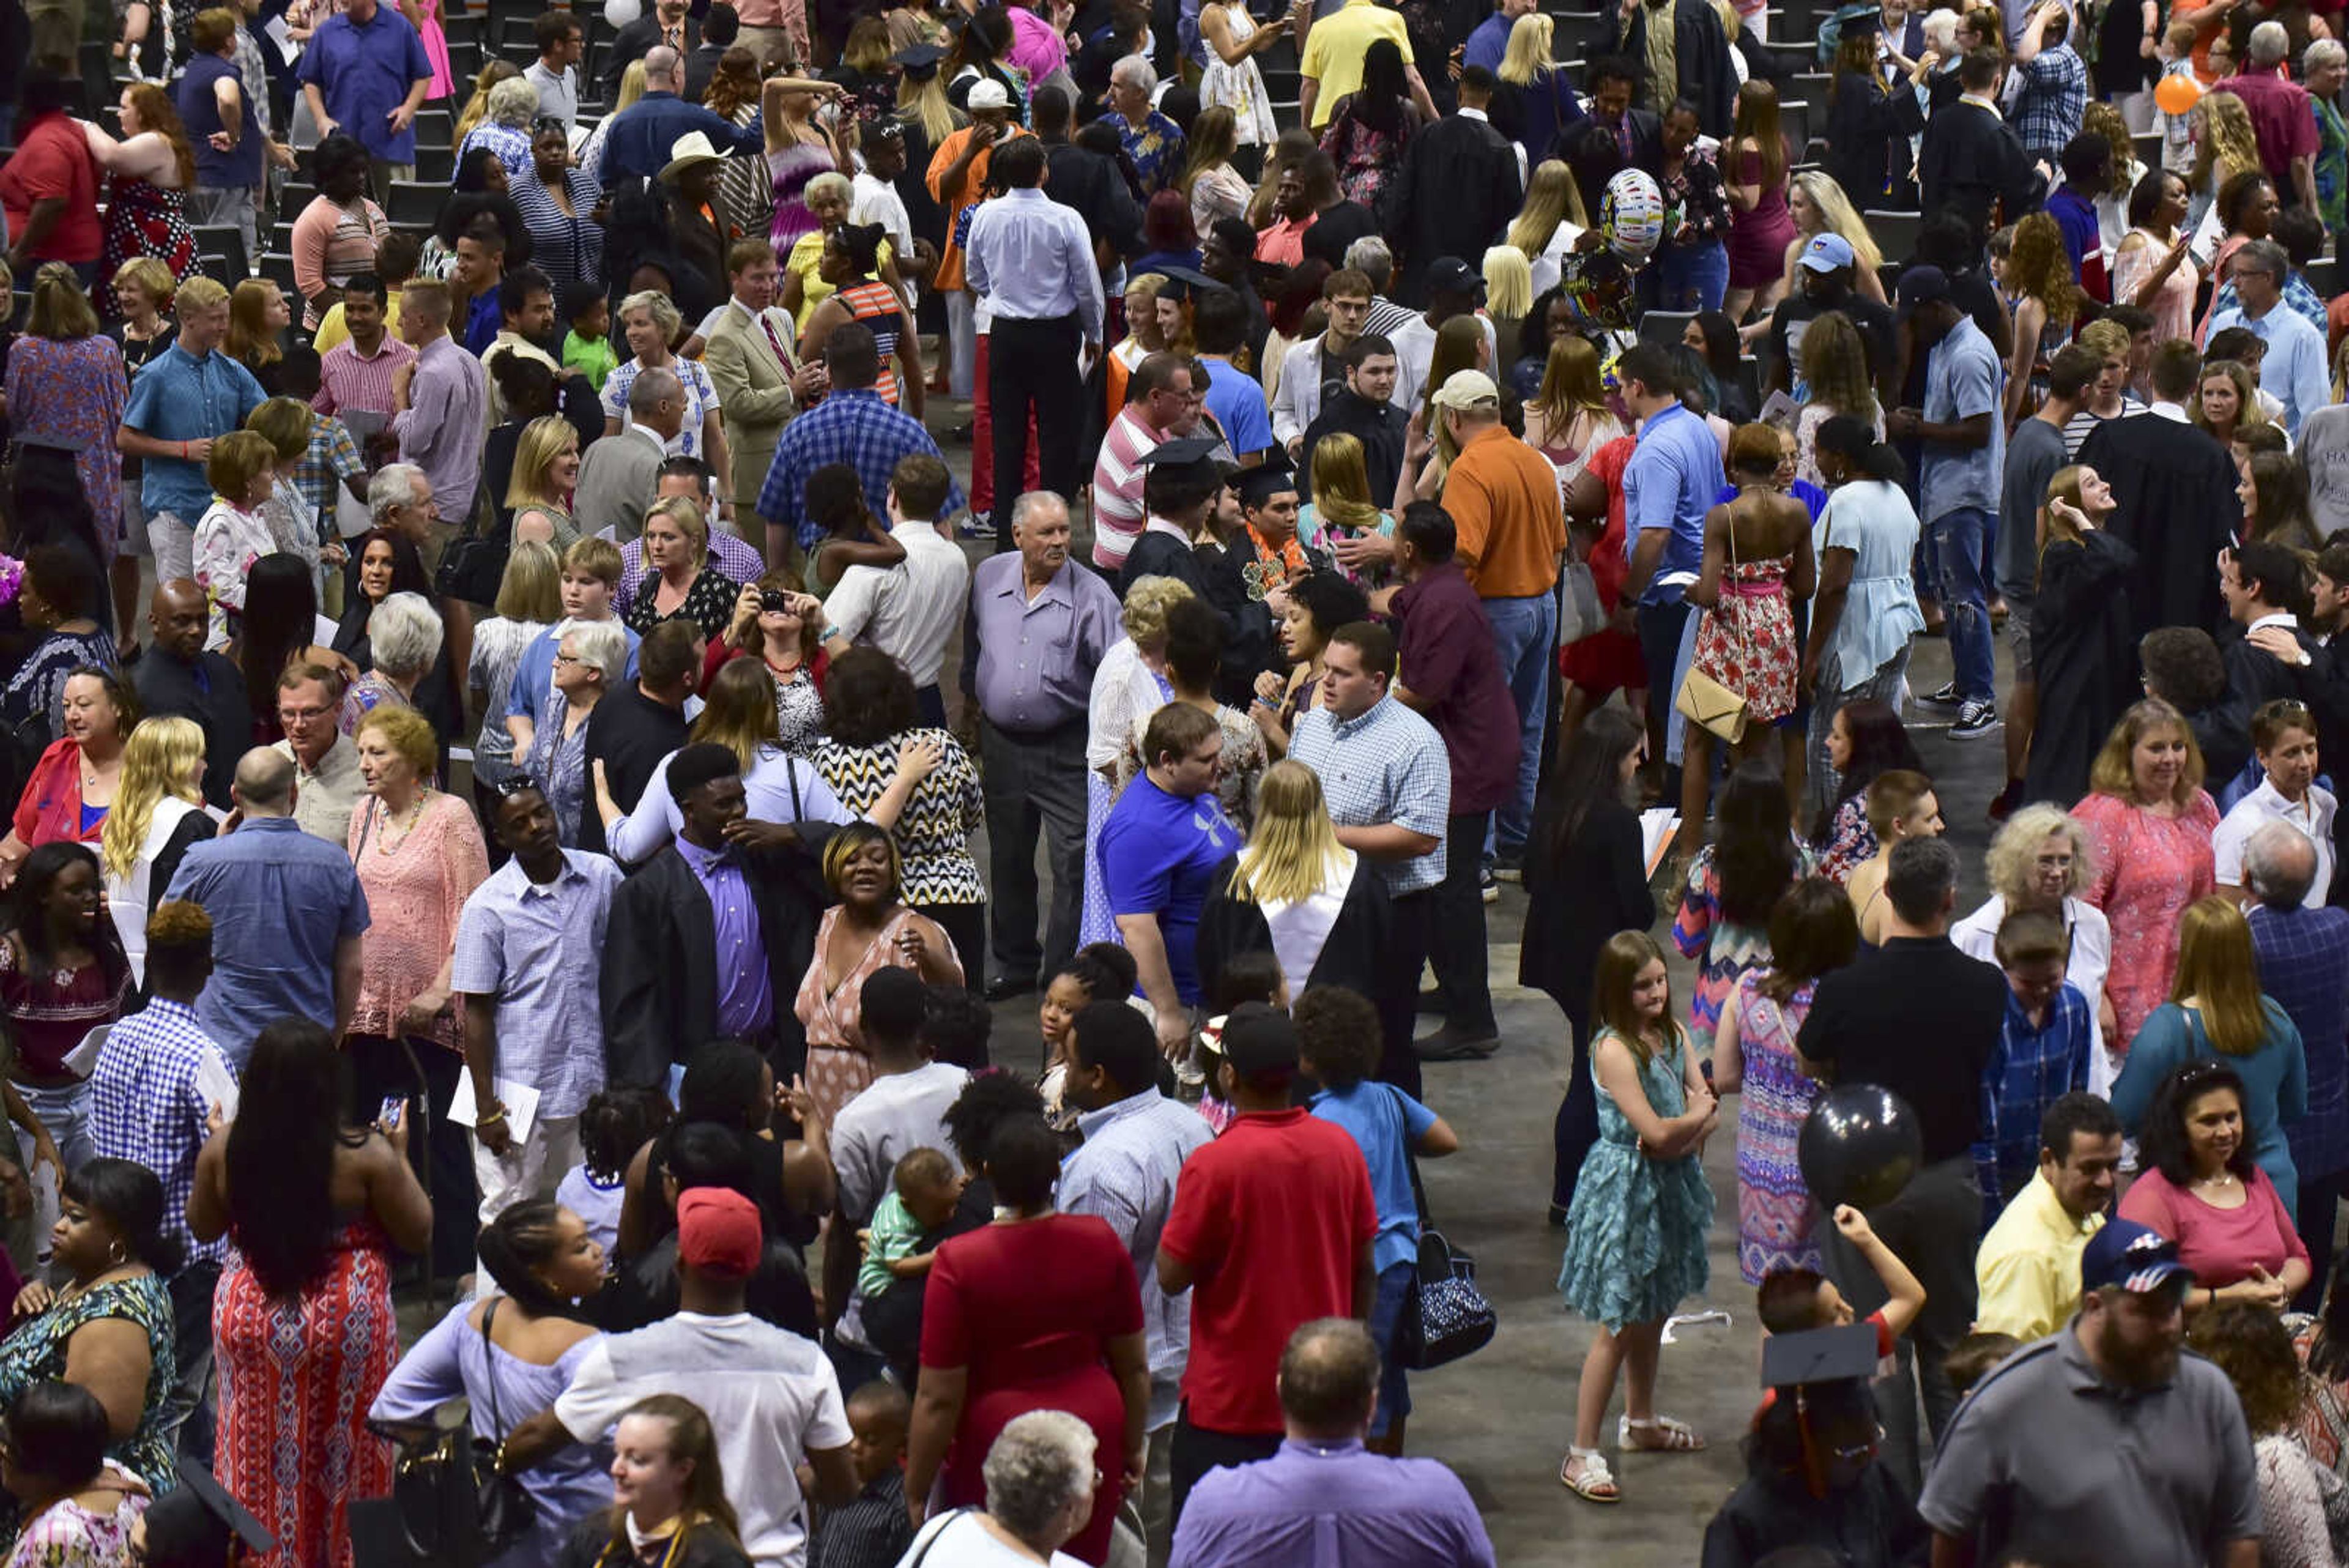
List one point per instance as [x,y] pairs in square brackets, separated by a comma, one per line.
[1033,259]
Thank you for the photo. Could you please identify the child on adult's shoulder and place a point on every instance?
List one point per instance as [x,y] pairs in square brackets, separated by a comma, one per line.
[1642,1194]
[921,1199]
[874,1528]
[587,346]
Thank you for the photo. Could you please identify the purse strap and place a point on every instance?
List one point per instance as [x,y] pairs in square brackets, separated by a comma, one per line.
[497,1422]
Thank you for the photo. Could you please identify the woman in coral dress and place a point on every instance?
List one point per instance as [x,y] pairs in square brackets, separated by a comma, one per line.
[869,929]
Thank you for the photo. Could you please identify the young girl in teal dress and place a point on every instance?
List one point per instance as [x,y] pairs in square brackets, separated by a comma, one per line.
[1636,1234]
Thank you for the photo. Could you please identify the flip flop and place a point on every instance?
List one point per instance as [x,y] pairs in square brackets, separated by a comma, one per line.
[1586,1475]
[1663,1435]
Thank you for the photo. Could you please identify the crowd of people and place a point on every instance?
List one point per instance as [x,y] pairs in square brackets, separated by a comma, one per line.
[505,684]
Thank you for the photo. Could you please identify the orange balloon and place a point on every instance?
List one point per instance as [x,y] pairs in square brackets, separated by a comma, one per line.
[2177,94]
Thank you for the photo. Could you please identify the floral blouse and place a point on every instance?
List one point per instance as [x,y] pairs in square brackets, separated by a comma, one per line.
[1696,208]
[1850,842]
[2149,868]
[229,540]
[68,1535]
[708,603]
[1367,157]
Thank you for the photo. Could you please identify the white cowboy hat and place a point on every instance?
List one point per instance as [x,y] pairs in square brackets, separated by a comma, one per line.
[694,147]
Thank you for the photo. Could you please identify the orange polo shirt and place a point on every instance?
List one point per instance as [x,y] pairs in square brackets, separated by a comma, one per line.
[1502,498]
[949,273]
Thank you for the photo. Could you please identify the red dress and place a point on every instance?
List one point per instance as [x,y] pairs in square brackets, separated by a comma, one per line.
[296,1380]
[1608,660]
[1029,1309]
[2149,868]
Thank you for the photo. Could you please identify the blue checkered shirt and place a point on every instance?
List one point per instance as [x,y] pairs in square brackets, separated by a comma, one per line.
[2031,1070]
[2303,964]
[333,457]
[2055,95]
[855,426]
[145,1107]
[1387,766]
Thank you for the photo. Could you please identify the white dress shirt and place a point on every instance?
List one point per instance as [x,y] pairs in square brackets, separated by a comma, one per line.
[909,610]
[2312,816]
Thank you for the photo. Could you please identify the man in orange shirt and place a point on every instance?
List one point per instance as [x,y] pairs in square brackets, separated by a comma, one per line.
[1504,501]
[957,180]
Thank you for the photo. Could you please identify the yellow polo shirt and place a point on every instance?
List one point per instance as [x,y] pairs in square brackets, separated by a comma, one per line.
[1335,45]
[2028,1270]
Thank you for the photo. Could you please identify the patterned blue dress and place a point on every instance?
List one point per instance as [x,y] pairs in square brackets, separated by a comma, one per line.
[1636,1234]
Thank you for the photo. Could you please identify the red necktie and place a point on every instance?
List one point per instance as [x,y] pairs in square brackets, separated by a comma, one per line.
[782,354]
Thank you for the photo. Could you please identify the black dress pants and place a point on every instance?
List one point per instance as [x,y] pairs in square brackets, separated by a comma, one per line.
[1032,365]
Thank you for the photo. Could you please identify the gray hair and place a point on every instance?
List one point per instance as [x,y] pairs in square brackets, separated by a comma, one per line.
[1371,256]
[1025,507]
[2280,864]
[2322,53]
[2264,257]
[603,644]
[1135,72]
[2269,44]
[1941,30]
[512,102]
[394,484]
[1039,1464]
[662,64]
[649,390]
[403,634]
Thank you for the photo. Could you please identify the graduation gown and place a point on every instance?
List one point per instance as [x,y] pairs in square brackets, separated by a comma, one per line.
[1455,195]
[1873,1522]
[1971,160]
[1701,55]
[2174,487]
[1863,123]
[2084,655]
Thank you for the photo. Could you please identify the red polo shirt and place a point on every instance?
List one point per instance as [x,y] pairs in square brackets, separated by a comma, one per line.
[53,159]
[2282,118]
[1448,658]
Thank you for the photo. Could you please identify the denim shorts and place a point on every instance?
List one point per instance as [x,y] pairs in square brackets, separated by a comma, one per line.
[1386,1316]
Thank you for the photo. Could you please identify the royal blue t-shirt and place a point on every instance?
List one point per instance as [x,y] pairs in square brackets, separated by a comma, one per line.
[1158,854]
[1387,1123]
[1236,399]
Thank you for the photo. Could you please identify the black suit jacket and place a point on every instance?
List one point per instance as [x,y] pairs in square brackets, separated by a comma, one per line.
[660,972]
[167,688]
[1455,195]
[1700,53]
[634,42]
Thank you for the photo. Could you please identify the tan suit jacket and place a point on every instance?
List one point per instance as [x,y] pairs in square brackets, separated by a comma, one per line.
[754,394]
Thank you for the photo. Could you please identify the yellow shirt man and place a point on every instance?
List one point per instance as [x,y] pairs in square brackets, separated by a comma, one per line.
[1335,46]
[2028,1270]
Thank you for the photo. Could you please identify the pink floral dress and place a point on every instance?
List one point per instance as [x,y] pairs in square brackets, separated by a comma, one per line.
[416,885]
[2149,868]
[1747,641]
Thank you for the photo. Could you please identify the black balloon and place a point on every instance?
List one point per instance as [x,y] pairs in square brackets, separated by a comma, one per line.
[1859,1145]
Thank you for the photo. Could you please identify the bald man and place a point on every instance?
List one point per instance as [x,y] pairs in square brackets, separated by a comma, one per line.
[177,676]
[287,910]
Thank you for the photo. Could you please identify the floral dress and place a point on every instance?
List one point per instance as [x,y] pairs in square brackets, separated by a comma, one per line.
[1724,949]
[1774,1212]
[1239,87]
[700,400]
[708,603]
[142,218]
[36,1353]
[1636,1234]
[2149,868]
[71,392]
[1747,641]
[1366,156]
[1850,842]
[68,1535]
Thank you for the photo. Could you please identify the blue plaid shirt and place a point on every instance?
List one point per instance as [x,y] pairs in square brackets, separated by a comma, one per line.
[855,426]
[2055,95]
[145,1106]
[1387,766]
[2030,1069]
[333,457]
[2303,963]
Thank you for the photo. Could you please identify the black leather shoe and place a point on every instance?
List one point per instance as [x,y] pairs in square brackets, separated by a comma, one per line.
[1004,987]
[1451,1044]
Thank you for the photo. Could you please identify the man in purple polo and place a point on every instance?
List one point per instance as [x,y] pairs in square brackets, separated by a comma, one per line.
[1324,1499]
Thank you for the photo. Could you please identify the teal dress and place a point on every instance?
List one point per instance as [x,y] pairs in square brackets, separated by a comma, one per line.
[37,1352]
[1636,1234]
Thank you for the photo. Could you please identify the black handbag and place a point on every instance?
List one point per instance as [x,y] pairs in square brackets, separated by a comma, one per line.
[473,563]
[455,1507]
[1446,1316]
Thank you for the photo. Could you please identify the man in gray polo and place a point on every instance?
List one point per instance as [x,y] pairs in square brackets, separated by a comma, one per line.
[2103,1433]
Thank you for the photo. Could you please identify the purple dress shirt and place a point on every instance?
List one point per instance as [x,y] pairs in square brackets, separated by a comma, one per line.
[1449,659]
[1031,663]
[746,1003]
[1331,1505]
[442,429]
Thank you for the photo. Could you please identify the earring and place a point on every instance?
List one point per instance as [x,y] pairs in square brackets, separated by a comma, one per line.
[117,1253]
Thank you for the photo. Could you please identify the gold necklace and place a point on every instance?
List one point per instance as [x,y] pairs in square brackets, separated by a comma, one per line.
[384,843]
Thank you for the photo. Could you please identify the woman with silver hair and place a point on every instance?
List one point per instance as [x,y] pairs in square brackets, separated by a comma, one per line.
[505,128]
[404,637]
[2040,861]
[590,663]
[1039,1478]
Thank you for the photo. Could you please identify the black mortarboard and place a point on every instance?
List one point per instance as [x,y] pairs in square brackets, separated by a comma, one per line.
[204,1485]
[1818,1356]
[1187,281]
[1259,485]
[1865,25]
[920,60]
[1181,450]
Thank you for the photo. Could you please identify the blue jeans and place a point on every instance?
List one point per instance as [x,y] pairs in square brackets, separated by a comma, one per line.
[1386,1315]
[1957,540]
[1694,277]
[1525,636]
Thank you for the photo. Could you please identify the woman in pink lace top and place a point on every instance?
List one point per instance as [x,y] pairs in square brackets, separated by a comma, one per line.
[419,855]
[2151,822]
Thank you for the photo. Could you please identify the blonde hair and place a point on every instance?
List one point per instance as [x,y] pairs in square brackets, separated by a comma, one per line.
[1509,282]
[688,517]
[2217,967]
[1341,483]
[1551,198]
[157,761]
[2227,142]
[407,732]
[1838,216]
[1290,848]
[238,459]
[1835,364]
[2064,485]
[2114,772]
[1528,56]
[60,311]
[531,588]
[2038,267]
[1571,384]
[1143,614]
[2013,852]
[284,424]
[2248,411]
[199,293]
[632,86]
[1145,289]
[478,106]
[148,274]
[925,103]
[541,442]
[659,306]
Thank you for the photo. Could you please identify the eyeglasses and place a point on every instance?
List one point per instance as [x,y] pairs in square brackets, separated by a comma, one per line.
[566,658]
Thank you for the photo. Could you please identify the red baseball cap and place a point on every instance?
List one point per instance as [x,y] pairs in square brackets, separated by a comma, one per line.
[718,1231]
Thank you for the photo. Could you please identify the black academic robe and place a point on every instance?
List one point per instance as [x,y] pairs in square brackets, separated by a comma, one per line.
[2256,675]
[1701,55]
[1862,127]
[1971,160]
[2174,495]
[1249,648]
[1455,195]
[1871,1521]
[660,972]
[2084,655]
[1157,555]
[1353,954]
[1380,427]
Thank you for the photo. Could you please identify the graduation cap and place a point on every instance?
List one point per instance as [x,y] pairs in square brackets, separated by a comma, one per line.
[1180,451]
[201,1492]
[1868,24]
[920,60]
[1818,1356]
[1186,282]
[1259,485]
